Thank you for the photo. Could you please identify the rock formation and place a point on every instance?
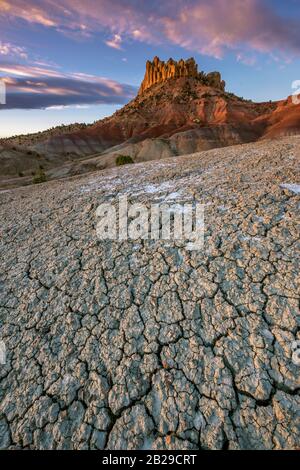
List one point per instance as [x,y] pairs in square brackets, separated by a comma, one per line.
[159,71]
[178,111]
[214,80]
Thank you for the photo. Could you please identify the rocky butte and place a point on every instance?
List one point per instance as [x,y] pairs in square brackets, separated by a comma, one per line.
[159,71]
[177,111]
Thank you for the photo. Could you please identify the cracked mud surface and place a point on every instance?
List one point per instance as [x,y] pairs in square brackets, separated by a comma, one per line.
[143,344]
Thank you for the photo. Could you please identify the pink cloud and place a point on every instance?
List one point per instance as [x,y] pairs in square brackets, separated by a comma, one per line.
[115,42]
[29,71]
[211,28]
[29,12]
[217,26]
[8,49]
[30,87]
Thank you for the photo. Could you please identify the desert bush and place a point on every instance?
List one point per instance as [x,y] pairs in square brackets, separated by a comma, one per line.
[123,160]
[39,176]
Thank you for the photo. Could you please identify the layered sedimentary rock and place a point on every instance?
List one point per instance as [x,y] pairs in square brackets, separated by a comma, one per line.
[176,116]
[214,79]
[159,71]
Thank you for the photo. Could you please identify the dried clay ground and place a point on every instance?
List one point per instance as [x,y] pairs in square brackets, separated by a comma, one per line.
[144,344]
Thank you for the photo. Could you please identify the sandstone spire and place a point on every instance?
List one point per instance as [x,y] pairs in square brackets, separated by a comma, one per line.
[158,71]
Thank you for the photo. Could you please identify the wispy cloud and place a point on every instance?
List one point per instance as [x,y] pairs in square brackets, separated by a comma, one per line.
[21,70]
[29,11]
[246,59]
[38,88]
[212,28]
[62,108]
[115,42]
[8,49]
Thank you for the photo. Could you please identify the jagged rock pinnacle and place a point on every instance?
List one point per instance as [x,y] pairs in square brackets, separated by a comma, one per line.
[159,71]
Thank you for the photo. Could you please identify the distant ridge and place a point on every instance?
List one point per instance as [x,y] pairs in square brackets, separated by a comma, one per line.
[177,111]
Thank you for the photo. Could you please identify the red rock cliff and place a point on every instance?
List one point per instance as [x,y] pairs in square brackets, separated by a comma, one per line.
[159,71]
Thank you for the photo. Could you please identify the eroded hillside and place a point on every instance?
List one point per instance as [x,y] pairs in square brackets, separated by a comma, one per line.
[177,111]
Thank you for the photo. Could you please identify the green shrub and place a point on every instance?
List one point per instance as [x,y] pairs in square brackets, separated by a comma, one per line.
[39,176]
[123,160]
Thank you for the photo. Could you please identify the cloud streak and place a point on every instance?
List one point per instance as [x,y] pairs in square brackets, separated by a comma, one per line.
[213,27]
[115,42]
[8,49]
[37,88]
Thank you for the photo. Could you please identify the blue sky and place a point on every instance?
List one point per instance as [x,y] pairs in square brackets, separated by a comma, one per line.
[75,61]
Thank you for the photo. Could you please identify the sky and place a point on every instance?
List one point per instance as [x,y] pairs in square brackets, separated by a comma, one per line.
[78,61]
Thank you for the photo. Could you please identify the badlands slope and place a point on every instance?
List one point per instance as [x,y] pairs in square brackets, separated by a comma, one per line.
[177,111]
[140,344]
